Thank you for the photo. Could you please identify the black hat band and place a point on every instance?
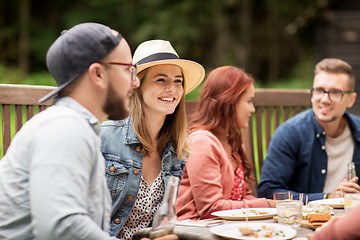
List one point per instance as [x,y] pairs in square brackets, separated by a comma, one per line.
[157,57]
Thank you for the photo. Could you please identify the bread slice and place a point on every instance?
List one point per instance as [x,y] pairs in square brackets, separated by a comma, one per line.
[318,217]
[317,223]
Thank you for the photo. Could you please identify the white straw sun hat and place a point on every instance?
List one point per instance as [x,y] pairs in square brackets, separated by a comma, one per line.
[157,52]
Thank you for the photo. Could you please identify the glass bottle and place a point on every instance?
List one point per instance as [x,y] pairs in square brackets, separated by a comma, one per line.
[165,217]
[351,171]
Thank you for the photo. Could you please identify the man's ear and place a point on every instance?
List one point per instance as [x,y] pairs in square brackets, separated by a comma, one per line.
[352,99]
[97,74]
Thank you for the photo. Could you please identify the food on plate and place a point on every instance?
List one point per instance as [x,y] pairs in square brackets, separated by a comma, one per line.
[246,231]
[316,224]
[263,213]
[253,212]
[263,232]
[243,213]
[318,217]
[315,208]
[317,214]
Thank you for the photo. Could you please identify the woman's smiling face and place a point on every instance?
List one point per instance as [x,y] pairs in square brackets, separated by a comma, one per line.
[162,89]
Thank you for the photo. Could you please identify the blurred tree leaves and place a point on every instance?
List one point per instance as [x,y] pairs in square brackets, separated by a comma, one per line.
[252,34]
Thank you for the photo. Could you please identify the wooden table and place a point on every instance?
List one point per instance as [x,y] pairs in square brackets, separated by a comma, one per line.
[203,233]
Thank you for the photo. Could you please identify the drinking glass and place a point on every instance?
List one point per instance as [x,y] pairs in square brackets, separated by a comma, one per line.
[351,173]
[289,212]
[282,196]
[351,200]
[165,217]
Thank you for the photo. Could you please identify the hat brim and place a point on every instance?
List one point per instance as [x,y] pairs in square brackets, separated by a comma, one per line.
[55,91]
[193,72]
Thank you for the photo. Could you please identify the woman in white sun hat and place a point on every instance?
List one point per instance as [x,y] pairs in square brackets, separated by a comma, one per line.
[142,151]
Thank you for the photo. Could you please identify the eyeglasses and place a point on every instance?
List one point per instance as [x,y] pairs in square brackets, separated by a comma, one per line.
[333,94]
[133,68]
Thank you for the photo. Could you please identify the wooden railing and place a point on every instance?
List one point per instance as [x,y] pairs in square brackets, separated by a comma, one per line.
[18,104]
[273,106]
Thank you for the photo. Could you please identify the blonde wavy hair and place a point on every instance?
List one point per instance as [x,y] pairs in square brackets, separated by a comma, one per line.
[174,127]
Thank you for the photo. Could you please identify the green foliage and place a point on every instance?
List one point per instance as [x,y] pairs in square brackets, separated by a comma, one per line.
[10,75]
[194,94]
[13,75]
[245,33]
[41,78]
[300,78]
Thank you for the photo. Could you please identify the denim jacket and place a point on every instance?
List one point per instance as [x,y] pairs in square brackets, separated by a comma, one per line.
[296,159]
[123,163]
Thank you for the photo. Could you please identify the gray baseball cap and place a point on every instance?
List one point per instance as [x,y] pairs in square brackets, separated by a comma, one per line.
[75,50]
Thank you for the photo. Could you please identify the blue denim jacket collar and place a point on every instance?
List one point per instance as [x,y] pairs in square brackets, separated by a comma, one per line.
[131,138]
[130,134]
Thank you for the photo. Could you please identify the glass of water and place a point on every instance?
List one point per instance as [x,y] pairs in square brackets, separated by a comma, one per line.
[282,196]
[351,200]
[289,212]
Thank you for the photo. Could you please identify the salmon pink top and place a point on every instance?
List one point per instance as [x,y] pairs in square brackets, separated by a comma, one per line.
[208,181]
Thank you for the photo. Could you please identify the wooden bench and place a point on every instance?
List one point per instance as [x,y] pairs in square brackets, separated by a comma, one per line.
[18,104]
[273,106]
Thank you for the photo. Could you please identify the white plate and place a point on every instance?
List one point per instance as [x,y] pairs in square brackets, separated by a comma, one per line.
[240,214]
[231,231]
[200,223]
[332,202]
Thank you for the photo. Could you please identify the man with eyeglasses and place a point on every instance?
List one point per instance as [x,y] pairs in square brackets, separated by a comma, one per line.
[52,178]
[310,152]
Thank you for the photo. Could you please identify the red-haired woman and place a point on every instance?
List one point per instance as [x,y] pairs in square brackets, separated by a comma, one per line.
[217,172]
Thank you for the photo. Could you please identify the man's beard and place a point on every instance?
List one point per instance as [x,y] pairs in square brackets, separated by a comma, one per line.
[115,106]
[325,121]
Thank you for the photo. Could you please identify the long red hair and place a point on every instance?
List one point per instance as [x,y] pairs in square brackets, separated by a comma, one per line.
[216,109]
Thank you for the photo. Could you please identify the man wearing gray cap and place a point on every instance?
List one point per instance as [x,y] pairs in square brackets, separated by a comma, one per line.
[52,178]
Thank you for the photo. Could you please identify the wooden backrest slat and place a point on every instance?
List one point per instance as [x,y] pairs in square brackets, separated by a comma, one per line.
[29,112]
[6,126]
[250,148]
[285,116]
[248,139]
[276,111]
[42,108]
[259,136]
[18,117]
[267,112]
